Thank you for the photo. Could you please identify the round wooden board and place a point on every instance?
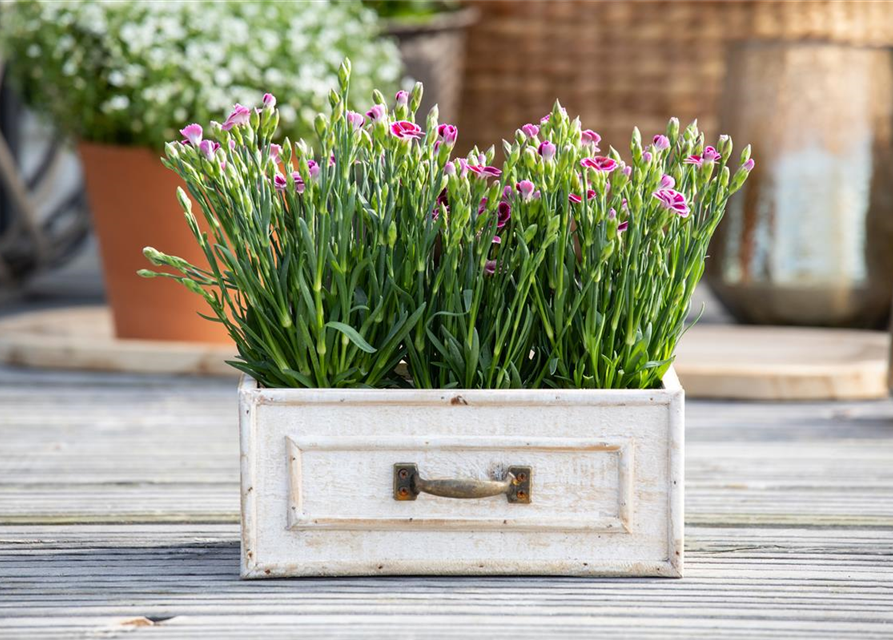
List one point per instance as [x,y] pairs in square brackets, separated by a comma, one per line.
[713,361]
[82,338]
[783,363]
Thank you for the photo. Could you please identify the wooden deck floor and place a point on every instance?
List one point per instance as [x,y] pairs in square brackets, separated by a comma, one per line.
[119,518]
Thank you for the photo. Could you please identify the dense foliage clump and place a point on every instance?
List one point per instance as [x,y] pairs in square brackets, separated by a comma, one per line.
[562,267]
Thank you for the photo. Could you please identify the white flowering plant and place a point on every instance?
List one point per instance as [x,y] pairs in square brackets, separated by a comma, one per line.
[130,72]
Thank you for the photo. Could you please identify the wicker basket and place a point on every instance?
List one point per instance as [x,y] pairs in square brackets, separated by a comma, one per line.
[630,63]
[432,53]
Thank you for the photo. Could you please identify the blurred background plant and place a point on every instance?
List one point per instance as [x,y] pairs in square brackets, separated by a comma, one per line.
[410,10]
[119,78]
[431,36]
[129,73]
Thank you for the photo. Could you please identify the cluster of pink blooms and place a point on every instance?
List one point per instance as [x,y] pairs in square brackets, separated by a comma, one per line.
[447,134]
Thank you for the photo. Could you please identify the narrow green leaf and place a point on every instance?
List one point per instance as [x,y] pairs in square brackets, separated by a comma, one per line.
[352,334]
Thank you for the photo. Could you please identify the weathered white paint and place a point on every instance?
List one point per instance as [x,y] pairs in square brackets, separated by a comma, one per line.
[317,481]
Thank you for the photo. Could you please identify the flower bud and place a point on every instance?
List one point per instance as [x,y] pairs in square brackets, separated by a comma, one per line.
[711,154]
[611,225]
[636,141]
[355,120]
[512,158]
[566,159]
[738,179]
[320,125]
[334,98]
[184,200]
[705,171]
[724,177]
[378,113]
[590,138]
[344,73]
[448,134]
[745,154]
[270,122]
[660,142]
[558,114]
[415,98]
[530,130]
[154,256]
[526,189]
[673,128]
[724,146]
[547,150]
[432,119]
[286,151]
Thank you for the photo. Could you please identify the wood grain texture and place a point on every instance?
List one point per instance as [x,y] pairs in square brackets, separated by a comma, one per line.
[783,363]
[83,338]
[789,533]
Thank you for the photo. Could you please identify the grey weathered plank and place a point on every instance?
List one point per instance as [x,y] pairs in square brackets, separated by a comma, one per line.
[118,504]
[786,581]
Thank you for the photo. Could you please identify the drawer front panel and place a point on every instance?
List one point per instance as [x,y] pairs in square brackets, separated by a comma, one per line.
[346,482]
[321,494]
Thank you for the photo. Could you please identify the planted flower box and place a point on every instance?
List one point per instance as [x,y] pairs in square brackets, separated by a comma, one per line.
[382,481]
[452,367]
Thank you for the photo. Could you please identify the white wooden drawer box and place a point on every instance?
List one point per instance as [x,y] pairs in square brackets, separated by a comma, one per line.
[336,482]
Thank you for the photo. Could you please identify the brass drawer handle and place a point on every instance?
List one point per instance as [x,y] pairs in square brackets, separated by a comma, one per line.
[408,484]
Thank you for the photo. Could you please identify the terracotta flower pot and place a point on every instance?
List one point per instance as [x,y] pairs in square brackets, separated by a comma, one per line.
[134,204]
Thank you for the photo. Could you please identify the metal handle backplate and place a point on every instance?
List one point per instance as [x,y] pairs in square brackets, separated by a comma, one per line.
[408,484]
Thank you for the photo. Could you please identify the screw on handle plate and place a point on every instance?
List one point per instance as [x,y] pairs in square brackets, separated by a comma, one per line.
[408,484]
